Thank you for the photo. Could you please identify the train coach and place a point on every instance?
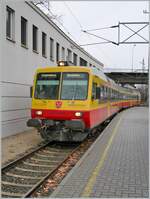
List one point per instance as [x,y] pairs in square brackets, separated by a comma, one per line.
[68,102]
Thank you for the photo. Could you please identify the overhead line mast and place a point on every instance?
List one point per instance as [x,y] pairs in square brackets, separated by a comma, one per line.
[127,25]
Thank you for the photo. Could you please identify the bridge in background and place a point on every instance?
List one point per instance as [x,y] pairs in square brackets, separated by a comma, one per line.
[127,76]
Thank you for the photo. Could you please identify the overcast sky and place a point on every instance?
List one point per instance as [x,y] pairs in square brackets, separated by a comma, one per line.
[98,14]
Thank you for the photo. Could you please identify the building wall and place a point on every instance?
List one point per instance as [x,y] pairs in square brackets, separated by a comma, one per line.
[18,64]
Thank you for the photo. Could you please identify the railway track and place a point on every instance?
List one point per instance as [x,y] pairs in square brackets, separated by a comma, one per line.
[22,176]
[27,176]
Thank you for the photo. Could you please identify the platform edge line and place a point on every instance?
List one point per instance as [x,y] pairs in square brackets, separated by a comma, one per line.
[88,188]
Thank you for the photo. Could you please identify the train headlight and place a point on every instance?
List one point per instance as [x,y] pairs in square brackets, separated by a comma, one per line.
[78,114]
[38,112]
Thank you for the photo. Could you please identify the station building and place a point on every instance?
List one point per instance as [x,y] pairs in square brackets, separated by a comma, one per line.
[29,40]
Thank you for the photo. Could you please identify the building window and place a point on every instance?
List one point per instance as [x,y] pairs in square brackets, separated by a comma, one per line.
[63,54]
[57,52]
[51,49]
[35,38]
[23,31]
[43,44]
[83,62]
[10,23]
[69,56]
[74,59]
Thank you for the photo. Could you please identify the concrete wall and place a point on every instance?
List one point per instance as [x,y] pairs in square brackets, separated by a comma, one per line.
[18,64]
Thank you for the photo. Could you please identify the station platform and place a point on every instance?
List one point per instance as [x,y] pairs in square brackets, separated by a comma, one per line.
[116,165]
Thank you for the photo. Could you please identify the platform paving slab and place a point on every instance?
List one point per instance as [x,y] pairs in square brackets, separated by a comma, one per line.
[125,170]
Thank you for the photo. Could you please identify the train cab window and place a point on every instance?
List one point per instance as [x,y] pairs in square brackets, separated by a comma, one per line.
[74,86]
[47,86]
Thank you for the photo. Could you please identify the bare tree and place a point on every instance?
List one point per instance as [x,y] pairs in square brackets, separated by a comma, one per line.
[44,5]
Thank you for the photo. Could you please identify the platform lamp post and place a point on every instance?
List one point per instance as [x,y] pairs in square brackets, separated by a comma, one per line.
[133,55]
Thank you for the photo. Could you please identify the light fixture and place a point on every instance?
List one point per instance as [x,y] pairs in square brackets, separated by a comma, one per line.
[39,112]
[78,114]
[62,63]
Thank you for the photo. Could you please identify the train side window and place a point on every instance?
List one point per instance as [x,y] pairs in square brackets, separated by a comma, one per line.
[118,96]
[115,95]
[111,94]
[97,92]
[105,93]
[110,91]
[102,93]
[94,91]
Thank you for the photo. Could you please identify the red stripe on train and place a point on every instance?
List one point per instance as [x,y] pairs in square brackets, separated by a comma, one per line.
[91,118]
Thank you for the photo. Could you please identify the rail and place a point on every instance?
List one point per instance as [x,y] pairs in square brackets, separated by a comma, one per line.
[22,176]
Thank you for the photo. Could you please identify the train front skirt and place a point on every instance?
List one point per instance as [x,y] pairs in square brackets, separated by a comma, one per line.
[51,130]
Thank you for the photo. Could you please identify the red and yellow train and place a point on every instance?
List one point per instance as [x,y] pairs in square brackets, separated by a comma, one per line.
[69,101]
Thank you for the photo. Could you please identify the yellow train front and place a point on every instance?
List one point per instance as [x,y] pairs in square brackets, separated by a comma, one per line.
[69,101]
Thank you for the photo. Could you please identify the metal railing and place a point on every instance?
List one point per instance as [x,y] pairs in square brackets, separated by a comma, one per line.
[125,70]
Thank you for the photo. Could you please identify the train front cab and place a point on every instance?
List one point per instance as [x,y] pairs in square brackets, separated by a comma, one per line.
[68,110]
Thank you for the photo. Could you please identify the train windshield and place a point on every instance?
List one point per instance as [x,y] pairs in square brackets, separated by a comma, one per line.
[47,86]
[74,86]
